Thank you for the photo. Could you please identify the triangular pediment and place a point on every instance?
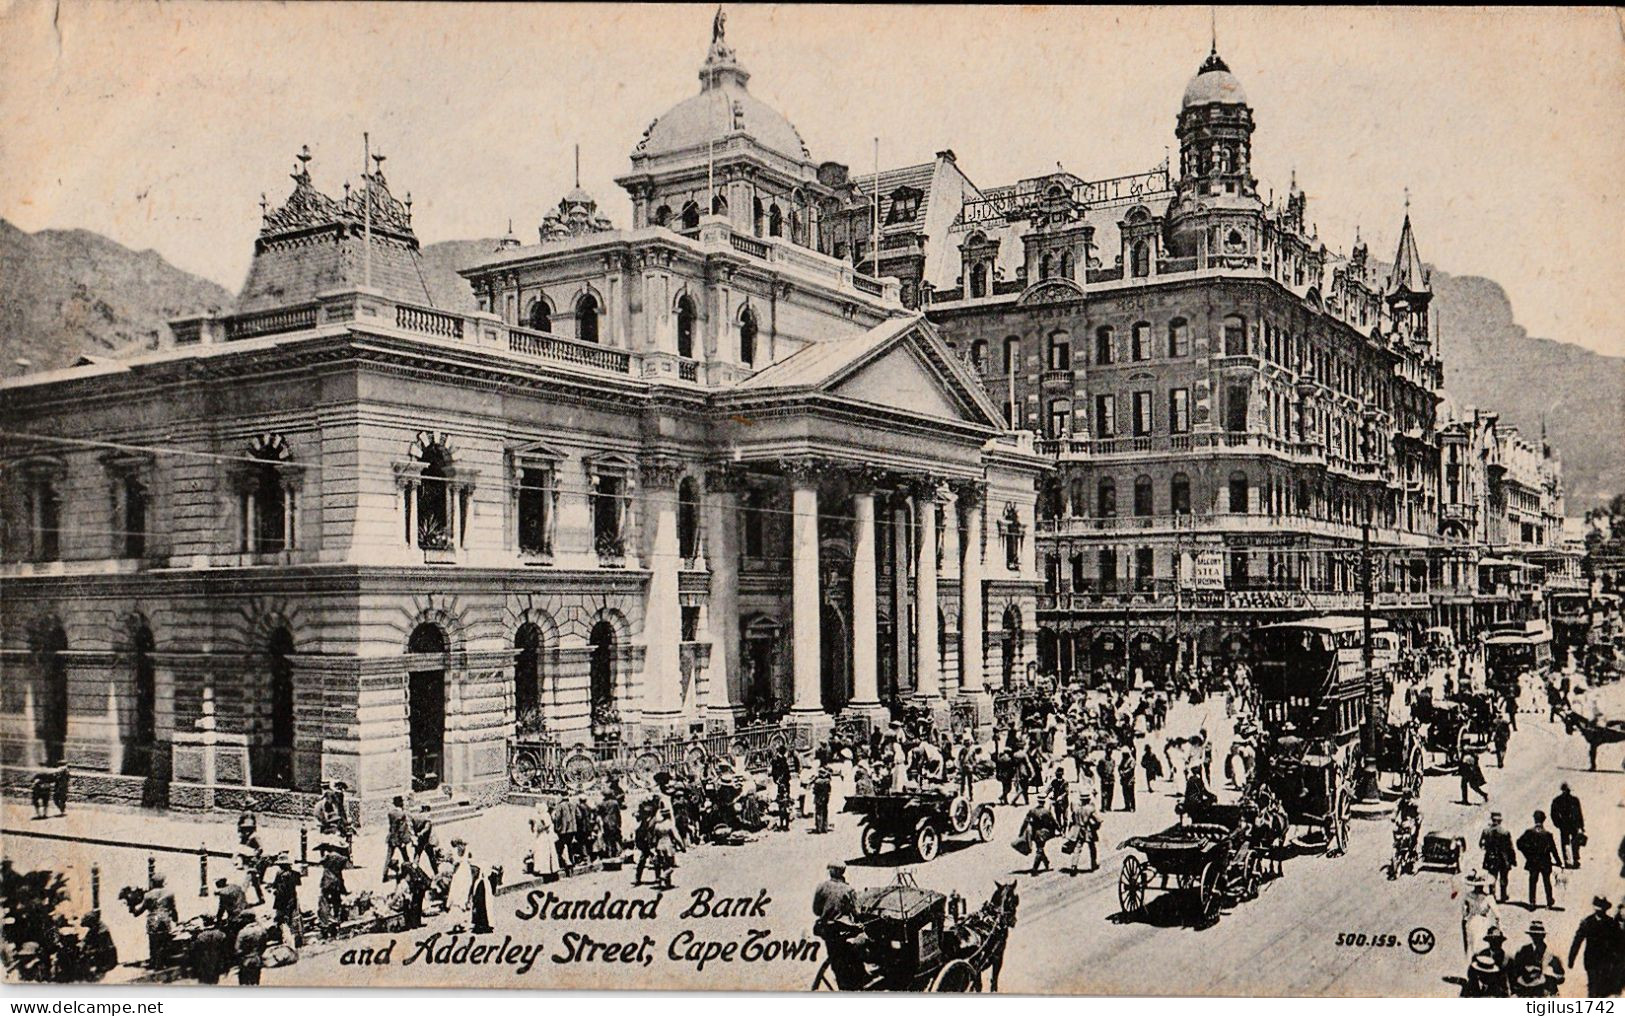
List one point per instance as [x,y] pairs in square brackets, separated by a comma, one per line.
[900,378]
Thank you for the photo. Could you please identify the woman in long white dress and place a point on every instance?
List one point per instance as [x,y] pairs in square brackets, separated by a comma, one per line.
[462,879]
[544,847]
[1478,913]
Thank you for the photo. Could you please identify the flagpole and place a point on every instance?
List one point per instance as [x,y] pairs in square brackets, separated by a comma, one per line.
[1010,354]
[366,175]
[875,239]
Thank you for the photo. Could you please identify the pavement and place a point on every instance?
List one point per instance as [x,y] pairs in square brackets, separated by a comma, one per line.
[1330,926]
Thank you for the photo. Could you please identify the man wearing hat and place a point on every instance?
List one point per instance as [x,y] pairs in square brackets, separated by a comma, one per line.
[1499,855]
[1539,852]
[835,910]
[1037,828]
[1604,939]
[233,911]
[159,905]
[1487,970]
[1536,971]
[398,839]
[1085,832]
[1569,821]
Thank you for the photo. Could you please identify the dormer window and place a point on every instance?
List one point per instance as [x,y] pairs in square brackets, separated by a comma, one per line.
[905,205]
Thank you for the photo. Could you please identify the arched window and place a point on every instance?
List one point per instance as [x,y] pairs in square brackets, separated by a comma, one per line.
[758,216]
[587,318]
[1080,498]
[1060,417]
[978,355]
[1106,499]
[775,221]
[1103,345]
[688,519]
[602,670]
[685,326]
[267,502]
[662,215]
[1179,494]
[1140,255]
[1235,335]
[434,500]
[1143,500]
[1046,264]
[1060,351]
[538,316]
[144,728]
[279,651]
[691,216]
[528,716]
[978,280]
[719,205]
[1141,345]
[1238,493]
[1304,500]
[1066,265]
[747,337]
[49,645]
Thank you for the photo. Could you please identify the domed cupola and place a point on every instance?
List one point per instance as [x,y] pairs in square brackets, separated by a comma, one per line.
[1216,193]
[1213,83]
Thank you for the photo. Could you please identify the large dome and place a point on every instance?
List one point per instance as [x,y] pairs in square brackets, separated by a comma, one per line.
[1213,83]
[720,111]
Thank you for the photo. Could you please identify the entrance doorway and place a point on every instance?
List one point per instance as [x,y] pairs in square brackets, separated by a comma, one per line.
[426,708]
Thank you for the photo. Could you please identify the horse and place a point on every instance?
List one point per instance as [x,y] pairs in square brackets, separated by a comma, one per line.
[992,924]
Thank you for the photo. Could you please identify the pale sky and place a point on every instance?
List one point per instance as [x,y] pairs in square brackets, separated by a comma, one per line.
[159,125]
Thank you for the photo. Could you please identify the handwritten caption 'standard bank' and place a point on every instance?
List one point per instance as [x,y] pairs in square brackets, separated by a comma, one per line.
[575,946]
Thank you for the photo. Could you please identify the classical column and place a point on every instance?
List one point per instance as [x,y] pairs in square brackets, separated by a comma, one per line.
[971,624]
[808,657]
[726,690]
[865,679]
[662,626]
[928,670]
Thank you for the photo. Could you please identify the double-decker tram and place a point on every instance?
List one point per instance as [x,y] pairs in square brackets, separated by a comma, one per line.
[1512,652]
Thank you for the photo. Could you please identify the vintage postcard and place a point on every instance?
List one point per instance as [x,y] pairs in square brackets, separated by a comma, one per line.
[832,498]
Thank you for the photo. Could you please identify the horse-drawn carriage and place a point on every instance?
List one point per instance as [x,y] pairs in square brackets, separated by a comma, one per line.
[1459,725]
[1217,859]
[912,939]
[919,818]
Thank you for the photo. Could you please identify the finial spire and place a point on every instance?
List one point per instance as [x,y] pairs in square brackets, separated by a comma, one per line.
[1407,202]
[1213,28]
[578,161]
[719,25]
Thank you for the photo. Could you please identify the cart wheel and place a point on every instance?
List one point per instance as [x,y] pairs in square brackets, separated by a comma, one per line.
[959,814]
[1210,890]
[1337,826]
[871,841]
[824,980]
[927,842]
[957,976]
[1131,883]
[984,824]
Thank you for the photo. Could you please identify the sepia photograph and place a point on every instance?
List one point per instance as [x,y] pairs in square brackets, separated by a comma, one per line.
[831,498]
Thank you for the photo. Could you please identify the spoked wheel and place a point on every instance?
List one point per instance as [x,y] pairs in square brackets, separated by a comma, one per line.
[1131,883]
[984,824]
[871,841]
[928,842]
[1209,898]
[1337,828]
[824,980]
[1416,766]
[957,976]
[959,814]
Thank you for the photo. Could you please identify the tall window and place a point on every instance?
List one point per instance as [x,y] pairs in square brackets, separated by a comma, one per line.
[44,519]
[1012,353]
[1141,345]
[1145,569]
[134,494]
[685,326]
[691,216]
[1103,345]
[1179,494]
[1014,536]
[662,215]
[1080,497]
[1235,412]
[537,316]
[1105,416]
[775,221]
[978,355]
[267,502]
[1179,337]
[688,519]
[1046,265]
[1179,410]
[587,318]
[1060,351]
[747,337]
[1144,503]
[1142,414]
[1108,570]
[1106,499]
[1235,336]
[978,280]
[1238,493]
[1060,417]
[535,504]
[434,500]
[528,718]
[1067,270]
[608,509]
[1141,258]
[280,665]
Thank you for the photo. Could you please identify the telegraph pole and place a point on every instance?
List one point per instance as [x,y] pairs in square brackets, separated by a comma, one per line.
[1368,767]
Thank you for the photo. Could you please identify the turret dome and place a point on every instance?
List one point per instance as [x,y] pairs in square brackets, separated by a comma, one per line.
[1213,83]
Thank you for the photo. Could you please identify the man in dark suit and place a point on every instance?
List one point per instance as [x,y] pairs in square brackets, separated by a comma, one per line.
[1499,855]
[835,908]
[1604,939]
[1539,852]
[233,912]
[1569,821]
[399,838]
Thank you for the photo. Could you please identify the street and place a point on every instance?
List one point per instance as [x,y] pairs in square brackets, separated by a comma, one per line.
[1329,926]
